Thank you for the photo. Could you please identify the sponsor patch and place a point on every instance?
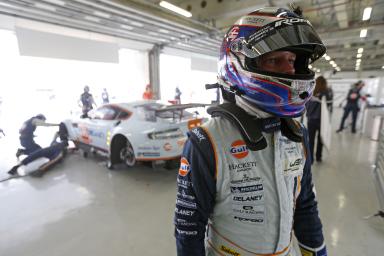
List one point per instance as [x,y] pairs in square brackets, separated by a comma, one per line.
[184,167]
[198,134]
[242,167]
[239,149]
[186,204]
[247,189]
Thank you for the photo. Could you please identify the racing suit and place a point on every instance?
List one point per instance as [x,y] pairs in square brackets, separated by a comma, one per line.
[234,201]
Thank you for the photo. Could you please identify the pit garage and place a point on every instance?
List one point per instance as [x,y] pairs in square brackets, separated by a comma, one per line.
[122,83]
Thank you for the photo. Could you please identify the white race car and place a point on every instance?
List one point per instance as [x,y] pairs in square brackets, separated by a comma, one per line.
[137,131]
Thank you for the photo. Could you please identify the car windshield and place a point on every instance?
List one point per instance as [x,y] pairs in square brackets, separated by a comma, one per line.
[148,112]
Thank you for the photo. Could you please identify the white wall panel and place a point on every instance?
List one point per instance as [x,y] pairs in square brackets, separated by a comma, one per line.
[42,44]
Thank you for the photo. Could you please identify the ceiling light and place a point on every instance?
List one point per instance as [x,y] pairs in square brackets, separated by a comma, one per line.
[367,13]
[137,24]
[126,27]
[325,55]
[102,14]
[382,67]
[363,33]
[309,66]
[163,31]
[92,18]
[359,55]
[360,50]
[46,7]
[327,58]
[332,62]
[358,60]
[56,2]
[175,9]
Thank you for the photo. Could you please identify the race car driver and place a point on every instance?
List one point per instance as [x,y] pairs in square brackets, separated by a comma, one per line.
[244,182]
[27,134]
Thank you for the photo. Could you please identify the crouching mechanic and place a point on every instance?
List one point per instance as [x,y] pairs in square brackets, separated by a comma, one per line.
[244,183]
[45,158]
[27,134]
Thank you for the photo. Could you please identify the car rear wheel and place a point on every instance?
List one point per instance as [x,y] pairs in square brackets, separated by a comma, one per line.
[127,154]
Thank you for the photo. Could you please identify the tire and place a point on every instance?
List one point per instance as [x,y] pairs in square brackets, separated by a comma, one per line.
[122,151]
[127,154]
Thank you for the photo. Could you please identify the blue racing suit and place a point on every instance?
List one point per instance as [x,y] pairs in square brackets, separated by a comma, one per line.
[238,210]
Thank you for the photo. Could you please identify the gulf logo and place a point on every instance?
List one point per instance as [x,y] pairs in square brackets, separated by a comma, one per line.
[239,149]
[184,167]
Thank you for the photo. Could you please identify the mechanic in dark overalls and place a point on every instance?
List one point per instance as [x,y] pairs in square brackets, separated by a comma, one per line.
[87,102]
[353,97]
[55,153]
[27,134]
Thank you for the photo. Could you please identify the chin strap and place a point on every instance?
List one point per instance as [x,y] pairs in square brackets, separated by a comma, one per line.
[250,127]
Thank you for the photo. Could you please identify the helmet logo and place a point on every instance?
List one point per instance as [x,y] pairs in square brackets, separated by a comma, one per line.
[233,33]
[239,149]
[291,21]
[184,167]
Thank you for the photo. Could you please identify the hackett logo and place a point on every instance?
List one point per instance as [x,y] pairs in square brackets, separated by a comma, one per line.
[184,167]
[239,149]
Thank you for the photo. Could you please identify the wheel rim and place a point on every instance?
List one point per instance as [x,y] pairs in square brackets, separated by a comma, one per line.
[128,155]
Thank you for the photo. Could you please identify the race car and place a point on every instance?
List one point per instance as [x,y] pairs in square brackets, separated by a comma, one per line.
[136,131]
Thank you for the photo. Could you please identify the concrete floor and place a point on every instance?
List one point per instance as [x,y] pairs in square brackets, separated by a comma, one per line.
[82,208]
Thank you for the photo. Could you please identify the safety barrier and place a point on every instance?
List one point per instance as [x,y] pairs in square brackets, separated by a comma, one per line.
[378,173]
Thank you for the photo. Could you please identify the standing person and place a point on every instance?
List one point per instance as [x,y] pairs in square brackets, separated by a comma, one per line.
[87,101]
[244,175]
[148,95]
[27,134]
[353,97]
[177,95]
[314,117]
[105,96]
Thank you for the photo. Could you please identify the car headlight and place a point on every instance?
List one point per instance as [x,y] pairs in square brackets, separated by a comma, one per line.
[166,134]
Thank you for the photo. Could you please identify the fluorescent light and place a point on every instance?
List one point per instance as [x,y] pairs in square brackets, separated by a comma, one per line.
[59,2]
[359,55]
[46,7]
[358,60]
[327,57]
[153,33]
[175,9]
[92,18]
[137,24]
[363,33]
[367,13]
[102,14]
[163,31]
[360,50]
[126,27]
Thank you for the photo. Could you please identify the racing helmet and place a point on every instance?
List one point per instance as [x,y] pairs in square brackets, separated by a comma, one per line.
[264,31]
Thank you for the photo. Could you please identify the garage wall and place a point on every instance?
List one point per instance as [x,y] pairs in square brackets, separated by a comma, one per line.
[43,44]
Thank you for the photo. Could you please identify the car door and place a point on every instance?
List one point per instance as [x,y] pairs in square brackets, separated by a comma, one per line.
[99,126]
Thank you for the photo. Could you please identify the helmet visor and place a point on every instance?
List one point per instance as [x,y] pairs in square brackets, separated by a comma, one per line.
[280,34]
